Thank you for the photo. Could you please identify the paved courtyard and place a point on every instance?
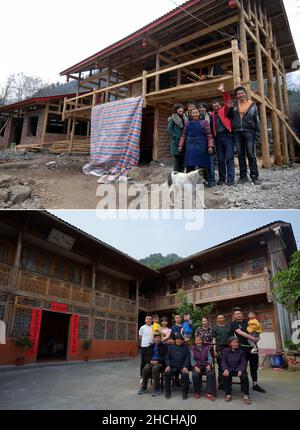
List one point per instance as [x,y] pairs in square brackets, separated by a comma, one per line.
[114,385]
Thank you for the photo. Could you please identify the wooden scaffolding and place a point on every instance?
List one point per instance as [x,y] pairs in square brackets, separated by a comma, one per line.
[164,63]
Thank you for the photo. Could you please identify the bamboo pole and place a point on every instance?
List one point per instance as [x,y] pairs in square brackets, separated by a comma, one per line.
[262,106]
[272,96]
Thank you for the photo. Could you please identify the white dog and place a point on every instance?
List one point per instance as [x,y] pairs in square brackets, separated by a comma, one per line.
[177,183]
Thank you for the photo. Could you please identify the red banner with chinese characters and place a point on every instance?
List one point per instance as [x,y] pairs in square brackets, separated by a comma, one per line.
[74,334]
[35,327]
[58,307]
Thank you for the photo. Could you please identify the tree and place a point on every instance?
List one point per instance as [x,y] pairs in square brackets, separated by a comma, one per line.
[19,87]
[287,289]
[197,313]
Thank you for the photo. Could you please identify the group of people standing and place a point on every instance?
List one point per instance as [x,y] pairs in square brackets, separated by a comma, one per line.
[198,134]
[175,352]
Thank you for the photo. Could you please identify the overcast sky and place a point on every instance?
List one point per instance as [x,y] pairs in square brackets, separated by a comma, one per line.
[43,38]
[142,238]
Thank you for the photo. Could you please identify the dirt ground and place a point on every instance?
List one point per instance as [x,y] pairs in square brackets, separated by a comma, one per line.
[57,182]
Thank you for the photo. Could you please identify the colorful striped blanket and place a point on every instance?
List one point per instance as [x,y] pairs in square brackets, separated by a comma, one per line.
[115,139]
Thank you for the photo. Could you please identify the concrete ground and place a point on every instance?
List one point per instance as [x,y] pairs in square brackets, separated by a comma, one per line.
[114,386]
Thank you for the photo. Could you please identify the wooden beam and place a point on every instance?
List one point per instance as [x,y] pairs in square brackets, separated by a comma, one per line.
[72,134]
[45,124]
[236,64]
[262,106]
[272,96]
[157,68]
[144,88]
[225,23]
[244,50]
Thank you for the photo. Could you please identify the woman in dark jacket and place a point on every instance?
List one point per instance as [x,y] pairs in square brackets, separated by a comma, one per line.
[176,124]
[198,142]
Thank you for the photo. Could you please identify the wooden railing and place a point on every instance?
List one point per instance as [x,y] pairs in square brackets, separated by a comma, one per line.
[43,286]
[247,285]
[114,303]
[6,273]
[84,102]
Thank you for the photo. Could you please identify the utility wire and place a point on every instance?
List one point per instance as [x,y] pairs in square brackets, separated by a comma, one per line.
[203,22]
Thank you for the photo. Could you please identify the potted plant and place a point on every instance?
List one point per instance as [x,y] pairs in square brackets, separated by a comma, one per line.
[292,348]
[22,343]
[86,346]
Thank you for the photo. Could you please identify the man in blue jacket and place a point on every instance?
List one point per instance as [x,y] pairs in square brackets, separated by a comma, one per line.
[178,362]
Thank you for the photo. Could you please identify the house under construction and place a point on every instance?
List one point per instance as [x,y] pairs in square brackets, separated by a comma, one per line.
[185,55]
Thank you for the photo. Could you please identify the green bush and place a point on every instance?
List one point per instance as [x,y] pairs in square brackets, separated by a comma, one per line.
[197,313]
[22,342]
[86,344]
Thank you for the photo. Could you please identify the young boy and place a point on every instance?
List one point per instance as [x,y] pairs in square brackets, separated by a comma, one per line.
[156,327]
[187,328]
[254,328]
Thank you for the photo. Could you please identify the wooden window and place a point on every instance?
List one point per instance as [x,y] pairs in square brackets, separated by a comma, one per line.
[74,273]
[22,322]
[2,310]
[59,268]
[256,265]
[4,253]
[83,330]
[122,330]
[131,331]
[29,259]
[111,328]
[238,269]
[45,264]
[32,125]
[99,329]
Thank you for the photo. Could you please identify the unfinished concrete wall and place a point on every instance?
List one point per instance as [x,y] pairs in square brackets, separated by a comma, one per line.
[7,132]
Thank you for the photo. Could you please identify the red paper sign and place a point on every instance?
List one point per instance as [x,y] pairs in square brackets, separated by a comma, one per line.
[58,307]
[35,327]
[74,334]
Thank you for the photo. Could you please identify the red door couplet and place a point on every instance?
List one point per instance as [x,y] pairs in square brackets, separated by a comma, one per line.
[35,327]
[74,334]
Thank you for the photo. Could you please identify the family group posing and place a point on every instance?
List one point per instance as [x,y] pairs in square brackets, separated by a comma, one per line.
[198,133]
[170,354]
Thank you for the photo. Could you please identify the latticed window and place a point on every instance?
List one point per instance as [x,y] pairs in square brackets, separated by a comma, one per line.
[238,269]
[2,310]
[29,259]
[4,253]
[99,329]
[131,332]
[122,330]
[22,322]
[83,330]
[256,265]
[111,330]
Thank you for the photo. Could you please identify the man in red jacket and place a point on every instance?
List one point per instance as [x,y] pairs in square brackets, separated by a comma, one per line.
[222,132]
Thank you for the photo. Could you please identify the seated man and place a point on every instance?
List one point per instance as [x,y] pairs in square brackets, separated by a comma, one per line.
[178,362]
[201,362]
[234,363]
[155,358]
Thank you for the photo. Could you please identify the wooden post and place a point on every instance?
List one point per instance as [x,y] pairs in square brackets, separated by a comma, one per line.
[261,89]
[88,132]
[155,153]
[144,88]
[93,302]
[244,50]
[236,64]
[287,111]
[272,96]
[157,77]
[19,253]
[72,134]
[45,124]
[284,143]
[178,77]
